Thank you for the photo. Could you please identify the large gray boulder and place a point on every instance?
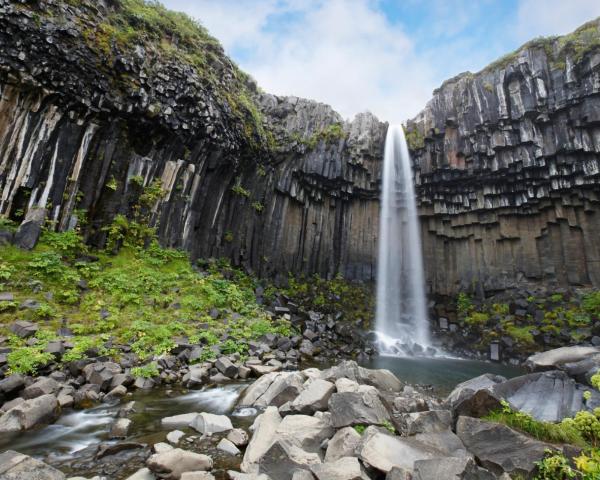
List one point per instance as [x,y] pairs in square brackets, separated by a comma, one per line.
[433,421]
[209,423]
[305,431]
[28,233]
[450,469]
[343,444]
[28,414]
[547,396]
[42,386]
[357,408]
[16,466]
[171,464]
[101,374]
[345,468]
[475,397]
[383,380]
[499,448]
[384,451]
[284,457]
[178,421]
[314,397]
[273,389]
[264,431]
[553,359]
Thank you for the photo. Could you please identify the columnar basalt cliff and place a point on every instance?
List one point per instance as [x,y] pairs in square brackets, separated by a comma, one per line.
[97,104]
[508,169]
[276,184]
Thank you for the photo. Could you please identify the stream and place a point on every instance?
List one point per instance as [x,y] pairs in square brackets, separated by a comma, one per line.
[71,443]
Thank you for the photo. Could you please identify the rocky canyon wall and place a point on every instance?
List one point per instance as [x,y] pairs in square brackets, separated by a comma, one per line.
[506,160]
[508,170]
[83,131]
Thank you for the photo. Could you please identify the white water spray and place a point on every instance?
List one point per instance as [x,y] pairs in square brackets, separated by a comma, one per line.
[401,320]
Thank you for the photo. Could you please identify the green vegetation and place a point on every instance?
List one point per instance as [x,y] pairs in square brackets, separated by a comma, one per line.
[150,370]
[463,304]
[258,206]
[142,297]
[414,137]
[241,191]
[477,318]
[329,134]
[360,429]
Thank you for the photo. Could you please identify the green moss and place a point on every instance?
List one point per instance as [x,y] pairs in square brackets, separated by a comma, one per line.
[150,370]
[414,138]
[478,319]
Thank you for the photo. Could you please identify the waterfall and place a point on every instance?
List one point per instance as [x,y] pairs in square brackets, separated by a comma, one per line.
[401,320]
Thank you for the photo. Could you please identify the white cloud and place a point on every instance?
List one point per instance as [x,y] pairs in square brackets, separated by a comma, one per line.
[553,17]
[342,52]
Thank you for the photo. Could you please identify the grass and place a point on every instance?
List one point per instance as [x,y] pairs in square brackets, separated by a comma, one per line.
[142,298]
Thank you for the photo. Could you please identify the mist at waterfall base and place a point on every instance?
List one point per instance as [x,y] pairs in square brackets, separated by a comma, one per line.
[402,327]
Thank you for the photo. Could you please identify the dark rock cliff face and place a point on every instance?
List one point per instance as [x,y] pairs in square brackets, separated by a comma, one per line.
[506,160]
[508,170]
[80,128]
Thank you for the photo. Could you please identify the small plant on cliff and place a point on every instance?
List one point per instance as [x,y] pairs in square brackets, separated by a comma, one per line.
[239,190]
[463,304]
[259,207]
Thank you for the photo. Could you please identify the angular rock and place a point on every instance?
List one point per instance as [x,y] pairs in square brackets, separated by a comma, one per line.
[23,329]
[383,380]
[173,463]
[305,431]
[43,386]
[226,367]
[314,397]
[273,389]
[475,397]
[283,457]
[101,374]
[498,448]
[197,476]
[120,428]
[238,437]
[357,408]
[345,468]
[209,423]
[175,436]
[264,428]
[178,421]
[450,469]
[142,474]
[12,383]
[16,466]
[44,409]
[558,357]
[343,444]
[433,421]
[228,447]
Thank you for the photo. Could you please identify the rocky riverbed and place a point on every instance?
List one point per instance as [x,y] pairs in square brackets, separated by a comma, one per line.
[345,422]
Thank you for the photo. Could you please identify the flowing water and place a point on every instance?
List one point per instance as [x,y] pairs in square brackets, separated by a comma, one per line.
[401,318]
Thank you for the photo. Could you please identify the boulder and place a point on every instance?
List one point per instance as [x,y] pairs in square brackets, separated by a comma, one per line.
[197,476]
[345,468]
[305,431]
[547,396]
[173,463]
[175,436]
[238,437]
[43,386]
[273,389]
[28,233]
[30,413]
[142,474]
[178,421]
[450,469]
[397,473]
[357,408]
[499,448]
[120,428]
[228,447]
[343,444]
[314,397]
[209,423]
[196,376]
[248,476]
[16,466]
[475,397]
[23,329]
[383,380]
[101,374]
[384,451]
[283,457]
[11,384]
[264,428]
[226,367]
[553,359]
[433,421]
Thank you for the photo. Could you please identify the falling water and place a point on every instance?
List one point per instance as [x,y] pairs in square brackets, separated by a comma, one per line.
[401,320]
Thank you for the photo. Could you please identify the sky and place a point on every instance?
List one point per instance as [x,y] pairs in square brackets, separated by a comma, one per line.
[382,56]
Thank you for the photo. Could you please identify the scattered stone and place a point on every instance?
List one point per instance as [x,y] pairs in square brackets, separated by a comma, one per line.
[226,367]
[142,474]
[23,329]
[161,447]
[450,468]
[238,437]
[197,476]
[16,466]
[314,397]
[307,432]
[101,374]
[343,444]
[500,449]
[178,421]
[357,408]
[175,436]
[228,447]
[264,428]
[43,409]
[345,468]
[273,389]
[283,457]
[120,428]
[43,386]
[173,463]
[209,423]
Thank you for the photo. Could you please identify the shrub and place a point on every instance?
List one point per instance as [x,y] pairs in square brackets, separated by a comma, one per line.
[591,303]
[463,304]
[554,466]
[26,360]
[477,319]
[241,191]
[150,370]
